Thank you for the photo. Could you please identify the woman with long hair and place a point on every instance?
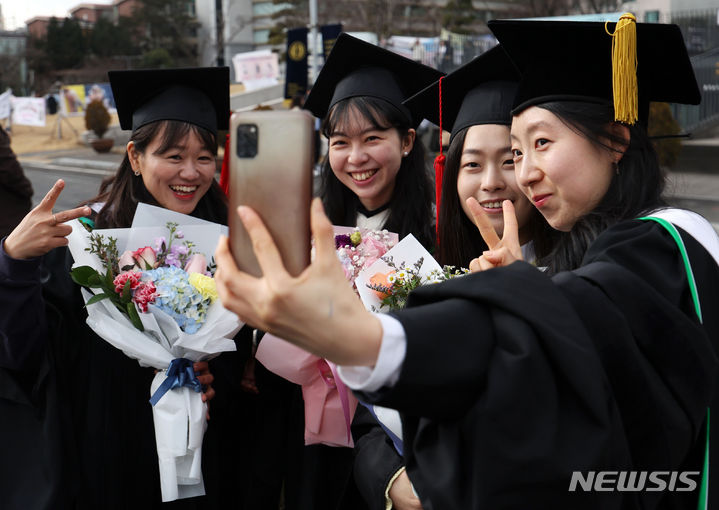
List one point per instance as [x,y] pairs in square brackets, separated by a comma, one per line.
[76,407]
[523,389]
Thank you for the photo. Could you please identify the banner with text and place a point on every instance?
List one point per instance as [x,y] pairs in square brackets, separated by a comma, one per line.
[256,69]
[296,73]
[330,33]
[28,111]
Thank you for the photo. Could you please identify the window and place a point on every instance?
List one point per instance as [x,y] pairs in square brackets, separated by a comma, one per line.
[651,17]
[261,36]
[260,9]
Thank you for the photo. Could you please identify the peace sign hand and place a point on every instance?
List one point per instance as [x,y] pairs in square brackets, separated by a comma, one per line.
[40,230]
[502,252]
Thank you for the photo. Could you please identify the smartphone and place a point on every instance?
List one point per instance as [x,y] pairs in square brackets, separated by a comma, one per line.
[271,171]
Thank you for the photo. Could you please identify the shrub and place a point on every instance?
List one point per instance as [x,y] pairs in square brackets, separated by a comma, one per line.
[97,118]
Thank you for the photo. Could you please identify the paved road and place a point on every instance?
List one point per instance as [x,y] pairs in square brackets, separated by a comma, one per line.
[80,183]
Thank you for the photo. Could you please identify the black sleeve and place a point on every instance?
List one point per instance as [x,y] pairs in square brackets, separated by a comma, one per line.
[12,178]
[376,460]
[512,381]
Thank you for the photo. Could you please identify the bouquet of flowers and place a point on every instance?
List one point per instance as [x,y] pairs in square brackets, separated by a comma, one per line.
[358,249]
[156,301]
[329,405]
[385,286]
[393,287]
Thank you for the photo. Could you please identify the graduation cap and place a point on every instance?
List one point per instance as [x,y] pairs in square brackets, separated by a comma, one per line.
[480,92]
[198,95]
[627,63]
[357,68]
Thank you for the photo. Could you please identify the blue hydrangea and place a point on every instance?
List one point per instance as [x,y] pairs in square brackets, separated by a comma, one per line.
[178,298]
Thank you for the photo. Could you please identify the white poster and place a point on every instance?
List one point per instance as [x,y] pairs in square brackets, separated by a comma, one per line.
[5,104]
[256,69]
[28,111]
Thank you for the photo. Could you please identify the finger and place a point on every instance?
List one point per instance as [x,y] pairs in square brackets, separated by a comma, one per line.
[48,201]
[227,275]
[232,283]
[322,232]
[72,214]
[483,223]
[510,236]
[474,266]
[485,263]
[206,378]
[266,252]
[493,257]
[209,393]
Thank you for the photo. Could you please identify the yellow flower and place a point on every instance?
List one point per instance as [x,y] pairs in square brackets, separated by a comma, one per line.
[205,285]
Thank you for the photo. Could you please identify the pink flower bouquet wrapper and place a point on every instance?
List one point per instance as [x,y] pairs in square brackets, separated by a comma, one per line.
[326,419]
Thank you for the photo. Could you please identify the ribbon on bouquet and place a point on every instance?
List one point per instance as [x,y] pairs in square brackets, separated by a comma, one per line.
[328,372]
[329,405]
[179,373]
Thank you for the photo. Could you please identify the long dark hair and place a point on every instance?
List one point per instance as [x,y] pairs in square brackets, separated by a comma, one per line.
[459,239]
[636,187]
[121,192]
[412,198]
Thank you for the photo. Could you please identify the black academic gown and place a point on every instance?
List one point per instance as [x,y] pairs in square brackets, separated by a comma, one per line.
[75,418]
[376,459]
[513,380]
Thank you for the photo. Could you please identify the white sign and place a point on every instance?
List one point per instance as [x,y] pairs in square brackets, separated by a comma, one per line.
[28,111]
[256,69]
[5,104]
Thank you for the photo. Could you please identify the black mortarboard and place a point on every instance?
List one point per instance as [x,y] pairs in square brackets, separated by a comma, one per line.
[198,95]
[358,68]
[571,60]
[480,92]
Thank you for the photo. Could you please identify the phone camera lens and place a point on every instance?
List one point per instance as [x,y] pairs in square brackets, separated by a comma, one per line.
[247,140]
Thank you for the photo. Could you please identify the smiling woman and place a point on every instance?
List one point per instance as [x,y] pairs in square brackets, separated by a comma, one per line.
[76,407]
[510,380]
[375,174]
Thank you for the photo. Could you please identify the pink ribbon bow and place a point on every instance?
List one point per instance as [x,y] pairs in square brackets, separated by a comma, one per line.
[329,405]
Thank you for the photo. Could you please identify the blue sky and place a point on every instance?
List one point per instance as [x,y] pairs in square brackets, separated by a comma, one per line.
[16,12]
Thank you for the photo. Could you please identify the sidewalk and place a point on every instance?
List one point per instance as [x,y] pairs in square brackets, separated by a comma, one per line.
[75,160]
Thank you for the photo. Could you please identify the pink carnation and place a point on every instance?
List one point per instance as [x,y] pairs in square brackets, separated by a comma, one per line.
[372,249]
[144,295]
[122,278]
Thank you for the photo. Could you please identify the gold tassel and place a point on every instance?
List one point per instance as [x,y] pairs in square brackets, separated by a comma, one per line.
[624,69]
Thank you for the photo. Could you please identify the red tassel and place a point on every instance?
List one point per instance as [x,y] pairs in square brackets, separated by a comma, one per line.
[438,168]
[438,176]
[225,172]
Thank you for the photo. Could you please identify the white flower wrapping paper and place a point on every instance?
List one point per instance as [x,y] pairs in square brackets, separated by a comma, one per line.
[179,415]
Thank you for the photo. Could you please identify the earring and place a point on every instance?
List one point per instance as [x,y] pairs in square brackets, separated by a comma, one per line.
[137,173]
[405,154]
